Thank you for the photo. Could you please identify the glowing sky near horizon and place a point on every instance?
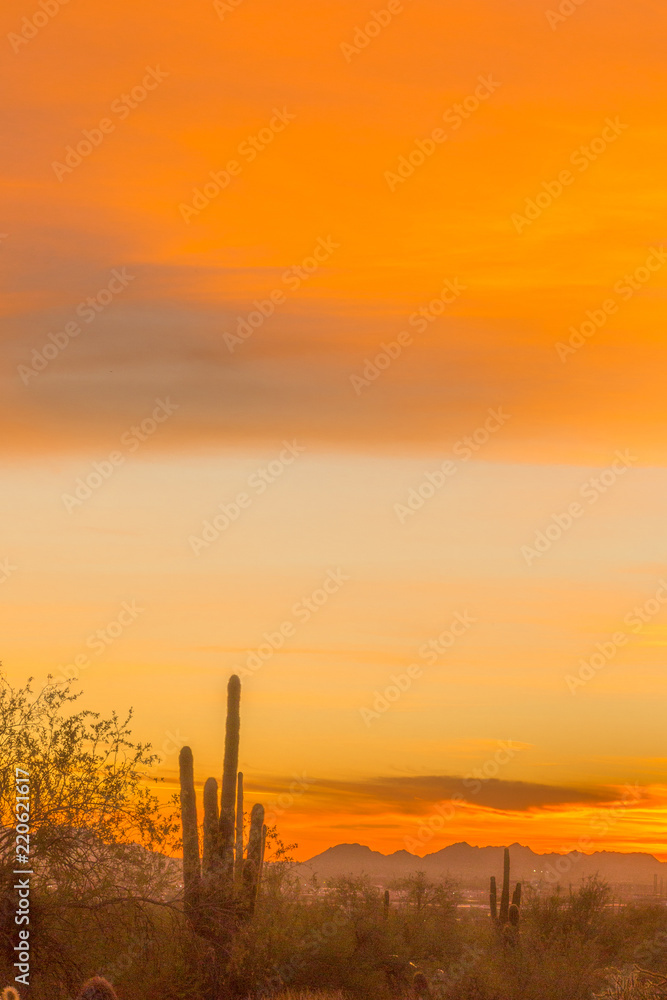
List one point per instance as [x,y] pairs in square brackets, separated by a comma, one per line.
[535,267]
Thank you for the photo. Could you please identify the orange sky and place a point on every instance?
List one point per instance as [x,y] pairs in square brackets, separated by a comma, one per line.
[530,237]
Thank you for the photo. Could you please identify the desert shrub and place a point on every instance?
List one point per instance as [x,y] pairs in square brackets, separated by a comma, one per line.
[634,984]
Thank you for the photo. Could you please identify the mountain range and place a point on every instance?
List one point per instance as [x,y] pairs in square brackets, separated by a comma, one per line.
[476,864]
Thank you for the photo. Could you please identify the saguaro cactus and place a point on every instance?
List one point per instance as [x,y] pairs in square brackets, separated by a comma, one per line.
[253,857]
[213,899]
[493,899]
[191,864]
[229,780]
[509,915]
[210,853]
[97,989]
[265,831]
[505,895]
[238,864]
[511,929]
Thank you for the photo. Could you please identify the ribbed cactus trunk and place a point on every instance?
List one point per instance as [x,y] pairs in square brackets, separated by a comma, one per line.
[210,853]
[253,858]
[265,831]
[493,899]
[191,865]
[238,862]
[505,896]
[229,783]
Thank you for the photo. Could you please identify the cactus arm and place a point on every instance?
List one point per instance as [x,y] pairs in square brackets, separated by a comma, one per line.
[211,822]
[191,866]
[238,864]
[254,854]
[265,831]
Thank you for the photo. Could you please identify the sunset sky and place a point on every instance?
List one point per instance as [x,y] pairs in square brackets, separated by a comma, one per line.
[499,167]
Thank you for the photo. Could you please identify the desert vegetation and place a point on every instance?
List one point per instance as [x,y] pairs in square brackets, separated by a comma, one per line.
[198,900]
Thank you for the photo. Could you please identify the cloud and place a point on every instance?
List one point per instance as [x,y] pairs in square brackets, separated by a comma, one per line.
[324,176]
[416,795]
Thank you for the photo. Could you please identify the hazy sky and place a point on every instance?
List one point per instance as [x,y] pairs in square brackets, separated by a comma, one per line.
[334,355]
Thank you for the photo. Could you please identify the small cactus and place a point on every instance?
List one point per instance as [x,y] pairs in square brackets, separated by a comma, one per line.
[385,906]
[516,898]
[97,989]
[511,935]
[493,899]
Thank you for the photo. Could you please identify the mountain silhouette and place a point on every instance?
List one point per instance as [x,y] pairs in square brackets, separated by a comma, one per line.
[475,864]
